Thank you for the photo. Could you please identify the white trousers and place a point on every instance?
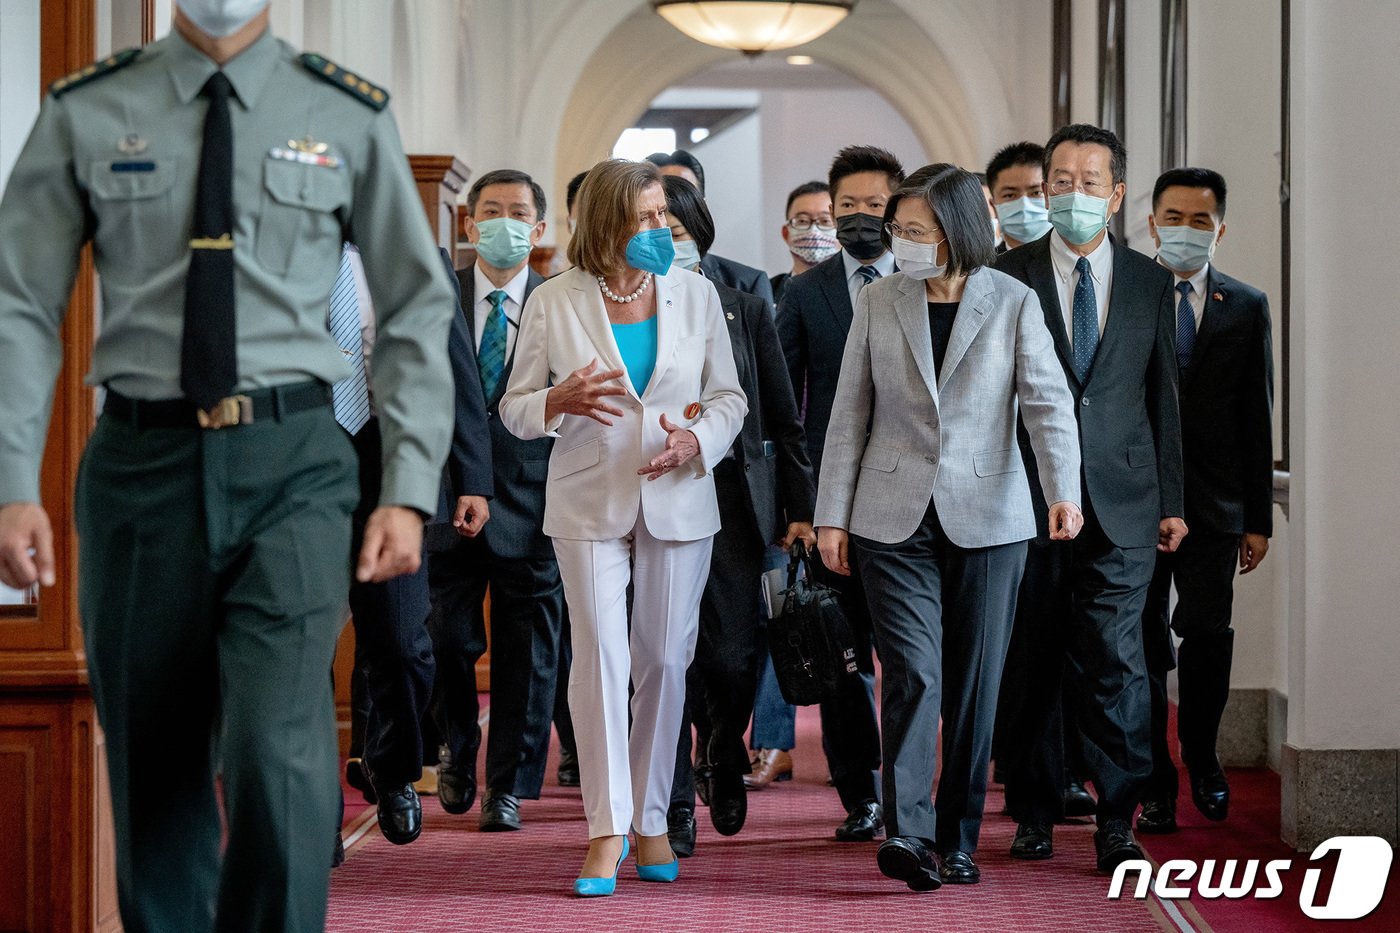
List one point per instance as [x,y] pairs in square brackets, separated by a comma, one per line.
[626,779]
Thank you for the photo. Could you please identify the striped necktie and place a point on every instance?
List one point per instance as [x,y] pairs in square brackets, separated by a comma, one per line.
[1085,320]
[349,396]
[491,358]
[868,274]
[1185,325]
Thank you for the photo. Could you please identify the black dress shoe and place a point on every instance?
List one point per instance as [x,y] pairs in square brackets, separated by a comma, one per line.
[1157,816]
[680,829]
[356,777]
[729,802]
[863,824]
[400,814]
[1034,842]
[1078,800]
[1211,794]
[704,778]
[959,868]
[499,813]
[1114,844]
[907,859]
[456,791]
[568,768]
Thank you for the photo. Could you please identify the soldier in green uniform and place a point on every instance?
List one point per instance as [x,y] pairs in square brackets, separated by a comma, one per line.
[216,174]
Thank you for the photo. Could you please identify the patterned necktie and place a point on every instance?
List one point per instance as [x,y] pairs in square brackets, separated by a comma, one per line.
[491,358]
[1085,320]
[868,274]
[209,343]
[1185,326]
[349,396]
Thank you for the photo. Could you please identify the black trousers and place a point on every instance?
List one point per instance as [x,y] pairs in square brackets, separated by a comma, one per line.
[942,618]
[1203,569]
[1083,619]
[723,677]
[850,728]
[527,618]
[393,651]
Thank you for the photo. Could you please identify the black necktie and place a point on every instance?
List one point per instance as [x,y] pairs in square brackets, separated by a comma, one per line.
[208,352]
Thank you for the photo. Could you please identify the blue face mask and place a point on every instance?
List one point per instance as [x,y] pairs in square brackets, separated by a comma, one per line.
[1024,219]
[504,242]
[651,250]
[1078,217]
[687,254]
[1185,249]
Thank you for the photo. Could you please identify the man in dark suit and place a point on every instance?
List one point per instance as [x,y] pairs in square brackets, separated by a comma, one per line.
[765,491]
[393,651]
[512,557]
[1224,351]
[715,268]
[1110,313]
[813,321]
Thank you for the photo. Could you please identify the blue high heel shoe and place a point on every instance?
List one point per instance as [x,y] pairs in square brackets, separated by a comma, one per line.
[601,887]
[664,874]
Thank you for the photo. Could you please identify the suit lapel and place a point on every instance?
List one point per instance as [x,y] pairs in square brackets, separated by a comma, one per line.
[1040,269]
[912,311]
[1119,308]
[1214,305]
[466,281]
[532,279]
[972,314]
[838,296]
[588,305]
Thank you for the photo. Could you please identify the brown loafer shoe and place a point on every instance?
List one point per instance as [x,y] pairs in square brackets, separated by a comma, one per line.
[774,764]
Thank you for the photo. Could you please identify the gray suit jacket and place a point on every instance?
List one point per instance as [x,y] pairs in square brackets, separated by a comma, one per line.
[898,438]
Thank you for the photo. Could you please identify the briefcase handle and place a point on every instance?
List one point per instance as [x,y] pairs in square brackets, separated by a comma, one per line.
[799,559]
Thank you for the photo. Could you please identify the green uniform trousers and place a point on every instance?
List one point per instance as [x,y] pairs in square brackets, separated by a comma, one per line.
[214,575]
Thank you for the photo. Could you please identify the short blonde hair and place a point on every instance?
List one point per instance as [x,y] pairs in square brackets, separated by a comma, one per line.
[606,213]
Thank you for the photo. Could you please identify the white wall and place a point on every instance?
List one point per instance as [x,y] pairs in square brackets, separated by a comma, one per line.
[19,78]
[1345,588]
[734,186]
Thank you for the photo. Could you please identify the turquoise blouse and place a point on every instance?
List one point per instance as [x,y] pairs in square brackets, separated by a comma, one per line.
[637,342]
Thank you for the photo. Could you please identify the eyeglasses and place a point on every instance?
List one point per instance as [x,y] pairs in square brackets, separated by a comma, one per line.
[913,234]
[804,224]
[1065,186]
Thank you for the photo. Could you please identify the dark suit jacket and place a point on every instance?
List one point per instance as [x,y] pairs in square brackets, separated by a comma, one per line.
[516,528]
[1129,423]
[1227,396]
[771,449]
[738,276]
[468,468]
[779,284]
[813,321]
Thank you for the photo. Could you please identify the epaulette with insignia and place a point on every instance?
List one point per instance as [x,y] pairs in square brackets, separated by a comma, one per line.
[92,72]
[369,94]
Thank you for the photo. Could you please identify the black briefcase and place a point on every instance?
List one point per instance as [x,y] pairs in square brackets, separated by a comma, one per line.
[809,639]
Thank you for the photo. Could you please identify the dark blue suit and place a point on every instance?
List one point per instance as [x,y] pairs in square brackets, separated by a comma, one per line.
[513,557]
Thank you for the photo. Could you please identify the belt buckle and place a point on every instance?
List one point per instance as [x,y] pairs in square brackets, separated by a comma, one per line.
[236,409]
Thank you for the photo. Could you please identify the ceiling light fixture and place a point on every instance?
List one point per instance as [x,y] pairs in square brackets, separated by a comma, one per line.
[753,26]
[800,60]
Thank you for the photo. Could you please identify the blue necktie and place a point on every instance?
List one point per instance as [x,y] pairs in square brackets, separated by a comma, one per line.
[491,359]
[1085,319]
[868,274]
[1185,326]
[349,396]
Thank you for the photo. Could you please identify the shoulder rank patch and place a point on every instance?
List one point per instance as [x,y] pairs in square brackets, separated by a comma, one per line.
[369,94]
[106,66]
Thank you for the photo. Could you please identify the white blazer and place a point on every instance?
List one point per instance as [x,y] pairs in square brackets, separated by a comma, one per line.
[593,492]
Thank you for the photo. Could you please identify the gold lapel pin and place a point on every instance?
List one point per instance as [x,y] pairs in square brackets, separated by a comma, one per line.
[131,144]
[308,145]
[692,411]
[1218,297]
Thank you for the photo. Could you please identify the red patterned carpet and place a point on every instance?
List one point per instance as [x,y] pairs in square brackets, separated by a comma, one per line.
[782,873]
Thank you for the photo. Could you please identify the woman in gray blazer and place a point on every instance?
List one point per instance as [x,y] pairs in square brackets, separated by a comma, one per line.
[923,477]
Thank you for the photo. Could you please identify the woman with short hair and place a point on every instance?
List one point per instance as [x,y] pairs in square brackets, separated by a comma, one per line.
[923,486]
[627,362]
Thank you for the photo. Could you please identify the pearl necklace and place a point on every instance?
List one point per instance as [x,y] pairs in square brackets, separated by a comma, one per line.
[624,299]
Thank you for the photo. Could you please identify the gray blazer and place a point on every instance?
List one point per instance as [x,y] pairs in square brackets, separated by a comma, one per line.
[897,439]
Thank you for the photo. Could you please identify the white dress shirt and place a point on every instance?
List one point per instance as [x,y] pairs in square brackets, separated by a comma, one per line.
[1197,295]
[515,301]
[1064,260]
[854,280]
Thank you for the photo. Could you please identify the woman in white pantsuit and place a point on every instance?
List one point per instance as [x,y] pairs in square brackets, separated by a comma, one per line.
[627,362]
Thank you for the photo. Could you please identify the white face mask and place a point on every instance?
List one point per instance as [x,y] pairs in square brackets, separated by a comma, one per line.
[917,260]
[219,18]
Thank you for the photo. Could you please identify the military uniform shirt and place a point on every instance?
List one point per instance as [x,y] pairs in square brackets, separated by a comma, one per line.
[115,160]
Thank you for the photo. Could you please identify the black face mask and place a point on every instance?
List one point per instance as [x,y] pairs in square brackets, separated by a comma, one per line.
[860,234]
